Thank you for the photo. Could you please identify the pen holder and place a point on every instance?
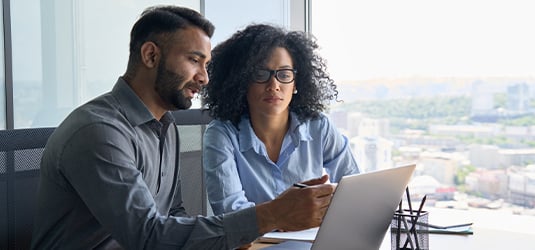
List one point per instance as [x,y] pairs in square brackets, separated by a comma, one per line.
[409,231]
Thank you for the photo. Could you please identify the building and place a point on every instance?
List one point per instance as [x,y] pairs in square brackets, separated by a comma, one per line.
[441,166]
[484,156]
[522,185]
[373,153]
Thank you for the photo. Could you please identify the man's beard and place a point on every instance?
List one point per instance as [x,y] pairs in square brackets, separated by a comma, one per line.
[167,83]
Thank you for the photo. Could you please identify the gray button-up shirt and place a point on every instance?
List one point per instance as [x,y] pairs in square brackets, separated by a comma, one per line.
[109,179]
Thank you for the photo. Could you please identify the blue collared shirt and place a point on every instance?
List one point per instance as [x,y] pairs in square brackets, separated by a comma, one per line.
[109,178]
[239,173]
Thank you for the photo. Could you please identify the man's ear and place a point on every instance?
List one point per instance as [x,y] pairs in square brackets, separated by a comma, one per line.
[150,54]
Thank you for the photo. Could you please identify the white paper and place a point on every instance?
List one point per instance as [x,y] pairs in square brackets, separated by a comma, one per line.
[304,235]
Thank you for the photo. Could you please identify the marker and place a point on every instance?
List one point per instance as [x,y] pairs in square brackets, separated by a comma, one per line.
[300,185]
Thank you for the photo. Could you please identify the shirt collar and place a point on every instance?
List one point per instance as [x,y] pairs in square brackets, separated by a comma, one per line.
[134,109]
[299,131]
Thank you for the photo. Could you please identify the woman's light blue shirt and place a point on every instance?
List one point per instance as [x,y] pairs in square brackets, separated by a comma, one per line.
[239,173]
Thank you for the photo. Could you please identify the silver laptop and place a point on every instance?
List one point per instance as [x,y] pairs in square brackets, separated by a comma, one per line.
[360,211]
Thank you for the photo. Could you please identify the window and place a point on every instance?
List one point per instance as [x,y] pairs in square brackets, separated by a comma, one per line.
[59,50]
[3,100]
[219,12]
[446,84]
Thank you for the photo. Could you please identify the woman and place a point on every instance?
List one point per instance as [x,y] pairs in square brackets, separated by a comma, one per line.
[268,89]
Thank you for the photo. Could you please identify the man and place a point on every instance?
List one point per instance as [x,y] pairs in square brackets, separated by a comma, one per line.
[109,173]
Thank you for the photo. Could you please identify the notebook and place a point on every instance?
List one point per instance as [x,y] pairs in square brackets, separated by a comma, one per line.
[360,212]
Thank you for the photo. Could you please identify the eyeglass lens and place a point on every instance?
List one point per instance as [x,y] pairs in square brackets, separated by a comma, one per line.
[282,75]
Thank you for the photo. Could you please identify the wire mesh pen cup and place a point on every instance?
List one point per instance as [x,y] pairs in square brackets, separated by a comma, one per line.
[409,231]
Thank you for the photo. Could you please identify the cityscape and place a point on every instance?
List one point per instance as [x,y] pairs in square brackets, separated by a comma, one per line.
[473,140]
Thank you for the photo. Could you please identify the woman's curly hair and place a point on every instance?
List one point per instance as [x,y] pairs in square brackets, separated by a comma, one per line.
[235,60]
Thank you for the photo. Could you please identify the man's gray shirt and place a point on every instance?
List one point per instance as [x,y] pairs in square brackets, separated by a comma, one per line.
[109,178]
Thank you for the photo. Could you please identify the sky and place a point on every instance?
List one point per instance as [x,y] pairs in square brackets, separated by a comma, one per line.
[364,39]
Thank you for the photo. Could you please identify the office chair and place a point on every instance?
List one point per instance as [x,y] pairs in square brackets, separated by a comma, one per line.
[191,125]
[20,156]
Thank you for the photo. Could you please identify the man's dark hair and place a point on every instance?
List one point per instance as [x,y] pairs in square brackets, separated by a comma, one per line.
[235,60]
[157,22]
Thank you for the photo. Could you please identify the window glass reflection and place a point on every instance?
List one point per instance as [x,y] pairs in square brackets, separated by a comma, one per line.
[68,52]
[2,80]
[455,95]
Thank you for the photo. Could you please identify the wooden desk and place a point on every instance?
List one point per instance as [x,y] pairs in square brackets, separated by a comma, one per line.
[492,230]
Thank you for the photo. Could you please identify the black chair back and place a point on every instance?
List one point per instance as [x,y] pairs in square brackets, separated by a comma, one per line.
[20,157]
[191,125]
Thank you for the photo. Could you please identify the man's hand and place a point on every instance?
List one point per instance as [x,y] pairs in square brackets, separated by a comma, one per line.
[296,208]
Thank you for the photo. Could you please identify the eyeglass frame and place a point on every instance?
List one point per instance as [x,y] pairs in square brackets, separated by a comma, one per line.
[275,73]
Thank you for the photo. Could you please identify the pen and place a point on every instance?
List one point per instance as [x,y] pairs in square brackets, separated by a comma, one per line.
[398,234]
[421,206]
[409,200]
[411,218]
[409,238]
[443,227]
[415,221]
[300,185]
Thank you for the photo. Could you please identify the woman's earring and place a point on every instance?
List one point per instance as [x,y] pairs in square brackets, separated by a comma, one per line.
[295,91]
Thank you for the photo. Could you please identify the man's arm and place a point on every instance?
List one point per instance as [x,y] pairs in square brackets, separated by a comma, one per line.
[104,174]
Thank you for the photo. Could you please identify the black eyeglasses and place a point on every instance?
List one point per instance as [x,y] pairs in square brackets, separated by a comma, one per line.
[282,75]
